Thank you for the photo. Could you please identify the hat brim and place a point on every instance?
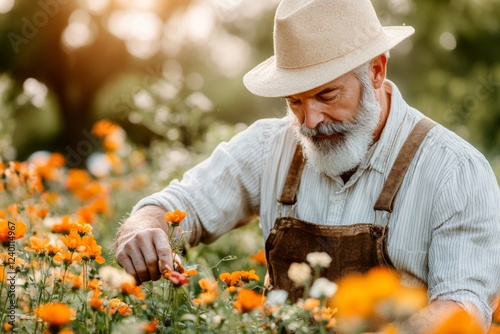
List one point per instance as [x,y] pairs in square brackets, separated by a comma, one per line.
[269,80]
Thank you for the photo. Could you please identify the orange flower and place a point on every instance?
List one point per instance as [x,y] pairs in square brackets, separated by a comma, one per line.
[238,277]
[460,322]
[67,257]
[95,301]
[310,304]
[151,327]
[73,240]
[92,250]
[259,257]
[77,179]
[104,128]
[205,298]
[175,217]
[37,245]
[11,230]
[81,228]
[132,289]
[176,278]
[116,305]
[64,227]
[7,327]
[56,314]
[208,284]
[247,300]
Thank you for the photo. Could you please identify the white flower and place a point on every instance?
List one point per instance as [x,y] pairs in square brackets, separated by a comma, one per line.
[320,259]
[299,273]
[322,287]
[276,297]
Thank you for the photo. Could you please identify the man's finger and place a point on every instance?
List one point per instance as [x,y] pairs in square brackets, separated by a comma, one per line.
[163,251]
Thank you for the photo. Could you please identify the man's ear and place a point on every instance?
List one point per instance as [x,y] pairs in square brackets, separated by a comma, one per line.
[378,70]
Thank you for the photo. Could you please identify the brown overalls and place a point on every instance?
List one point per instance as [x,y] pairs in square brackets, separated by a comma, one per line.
[353,248]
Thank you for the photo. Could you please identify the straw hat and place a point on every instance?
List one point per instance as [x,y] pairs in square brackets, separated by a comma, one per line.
[316,41]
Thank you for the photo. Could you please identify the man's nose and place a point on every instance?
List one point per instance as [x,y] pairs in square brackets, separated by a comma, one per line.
[313,114]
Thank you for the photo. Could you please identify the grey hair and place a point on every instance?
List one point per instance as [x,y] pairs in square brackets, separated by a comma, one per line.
[361,72]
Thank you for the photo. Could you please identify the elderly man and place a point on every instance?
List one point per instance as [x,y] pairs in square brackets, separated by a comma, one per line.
[357,172]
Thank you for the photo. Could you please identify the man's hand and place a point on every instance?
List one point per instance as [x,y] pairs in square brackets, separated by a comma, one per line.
[142,246]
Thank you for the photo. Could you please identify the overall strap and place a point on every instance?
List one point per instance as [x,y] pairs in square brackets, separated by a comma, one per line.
[386,198]
[288,196]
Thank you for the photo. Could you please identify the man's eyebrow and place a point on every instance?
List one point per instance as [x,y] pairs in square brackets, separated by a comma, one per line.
[328,90]
[324,91]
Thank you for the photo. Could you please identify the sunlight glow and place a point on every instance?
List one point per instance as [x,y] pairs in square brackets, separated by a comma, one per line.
[96,6]
[6,6]
[78,33]
[141,31]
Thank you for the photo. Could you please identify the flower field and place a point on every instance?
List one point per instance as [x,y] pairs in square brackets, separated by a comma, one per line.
[58,273]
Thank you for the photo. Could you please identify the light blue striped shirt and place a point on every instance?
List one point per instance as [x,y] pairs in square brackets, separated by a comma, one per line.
[444,230]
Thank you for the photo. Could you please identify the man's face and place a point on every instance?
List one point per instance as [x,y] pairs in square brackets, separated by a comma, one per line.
[335,122]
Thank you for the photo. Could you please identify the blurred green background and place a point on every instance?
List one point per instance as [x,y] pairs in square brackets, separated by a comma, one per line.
[169,69]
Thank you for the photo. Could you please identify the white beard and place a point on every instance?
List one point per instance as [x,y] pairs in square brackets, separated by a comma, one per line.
[336,157]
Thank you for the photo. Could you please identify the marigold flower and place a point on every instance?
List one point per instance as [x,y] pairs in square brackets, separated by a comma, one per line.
[208,284]
[91,250]
[95,302]
[205,298]
[11,230]
[56,314]
[77,179]
[132,289]
[259,257]
[175,217]
[309,304]
[103,128]
[67,257]
[7,327]
[72,241]
[176,278]
[459,322]
[247,300]
[151,327]
[116,305]
[64,227]
[37,245]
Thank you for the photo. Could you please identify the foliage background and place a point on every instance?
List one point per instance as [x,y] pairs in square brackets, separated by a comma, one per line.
[170,73]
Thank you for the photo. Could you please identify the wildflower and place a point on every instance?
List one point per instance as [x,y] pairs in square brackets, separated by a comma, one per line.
[67,257]
[91,250]
[259,257]
[10,230]
[72,241]
[77,179]
[52,250]
[81,228]
[37,245]
[55,314]
[64,227]
[103,128]
[239,277]
[116,305]
[96,302]
[277,297]
[132,289]
[7,327]
[175,277]
[175,217]
[319,259]
[299,273]
[210,292]
[151,327]
[459,322]
[309,304]
[247,300]
[322,287]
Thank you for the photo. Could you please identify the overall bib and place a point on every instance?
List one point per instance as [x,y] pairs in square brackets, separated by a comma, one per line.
[353,248]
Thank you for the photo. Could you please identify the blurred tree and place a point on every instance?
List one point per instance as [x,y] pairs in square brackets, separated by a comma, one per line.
[72,50]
